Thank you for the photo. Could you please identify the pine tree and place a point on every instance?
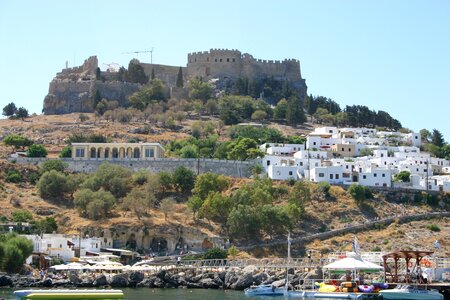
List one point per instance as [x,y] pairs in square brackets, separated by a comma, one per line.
[153,74]
[9,110]
[295,114]
[436,138]
[180,78]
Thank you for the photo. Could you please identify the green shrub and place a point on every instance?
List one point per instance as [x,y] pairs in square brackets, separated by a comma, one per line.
[22,216]
[433,227]
[13,176]
[215,253]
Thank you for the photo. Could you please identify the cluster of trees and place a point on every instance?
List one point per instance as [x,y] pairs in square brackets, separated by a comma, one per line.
[20,142]
[11,111]
[252,210]
[97,193]
[325,110]
[244,143]
[435,144]
[14,250]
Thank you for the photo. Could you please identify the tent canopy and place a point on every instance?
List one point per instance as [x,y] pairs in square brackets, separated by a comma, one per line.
[353,263]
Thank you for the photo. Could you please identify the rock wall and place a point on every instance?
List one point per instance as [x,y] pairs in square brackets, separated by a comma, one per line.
[198,166]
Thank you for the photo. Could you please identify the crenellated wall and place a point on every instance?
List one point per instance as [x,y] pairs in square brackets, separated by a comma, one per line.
[73,89]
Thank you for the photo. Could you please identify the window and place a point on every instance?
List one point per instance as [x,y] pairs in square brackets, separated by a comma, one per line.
[79,152]
[220,60]
[364,176]
[314,143]
[228,60]
[301,163]
[149,152]
[383,175]
[349,149]
[346,167]
[207,59]
[374,174]
[337,176]
[321,175]
[331,176]
[195,60]
[290,172]
[215,60]
[343,149]
[268,163]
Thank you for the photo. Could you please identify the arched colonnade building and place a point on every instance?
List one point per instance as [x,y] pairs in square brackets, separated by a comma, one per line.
[139,151]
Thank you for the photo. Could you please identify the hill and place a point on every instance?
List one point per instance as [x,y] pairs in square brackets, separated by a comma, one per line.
[321,213]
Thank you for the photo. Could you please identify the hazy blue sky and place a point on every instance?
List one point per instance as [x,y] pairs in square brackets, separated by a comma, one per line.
[389,55]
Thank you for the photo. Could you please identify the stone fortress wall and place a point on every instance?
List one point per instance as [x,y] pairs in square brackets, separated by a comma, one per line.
[73,89]
[234,64]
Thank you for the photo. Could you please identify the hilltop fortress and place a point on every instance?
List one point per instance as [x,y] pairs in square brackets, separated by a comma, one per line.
[75,89]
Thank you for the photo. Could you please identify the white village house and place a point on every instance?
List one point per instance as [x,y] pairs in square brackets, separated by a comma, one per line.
[333,155]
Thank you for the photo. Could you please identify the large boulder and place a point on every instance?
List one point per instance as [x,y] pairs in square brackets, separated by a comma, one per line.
[47,283]
[5,280]
[244,281]
[147,282]
[100,281]
[135,278]
[260,278]
[119,280]
[208,283]
[230,278]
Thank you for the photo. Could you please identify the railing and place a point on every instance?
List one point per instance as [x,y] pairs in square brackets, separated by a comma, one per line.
[264,263]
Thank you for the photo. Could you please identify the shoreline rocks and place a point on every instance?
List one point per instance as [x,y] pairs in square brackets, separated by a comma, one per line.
[231,279]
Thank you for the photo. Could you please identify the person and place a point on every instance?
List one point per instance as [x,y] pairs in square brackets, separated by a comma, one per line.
[361,277]
[42,274]
[348,276]
[419,275]
[424,277]
[178,260]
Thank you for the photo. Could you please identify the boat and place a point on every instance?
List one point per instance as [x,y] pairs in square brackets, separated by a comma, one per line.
[264,290]
[68,294]
[412,293]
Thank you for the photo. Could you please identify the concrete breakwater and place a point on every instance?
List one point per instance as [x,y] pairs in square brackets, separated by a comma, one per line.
[237,279]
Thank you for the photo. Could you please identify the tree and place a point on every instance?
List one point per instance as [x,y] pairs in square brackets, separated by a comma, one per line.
[359,192]
[403,176]
[243,149]
[136,73]
[14,250]
[66,152]
[53,164]
[244,221]
[167,205]
[195,203]
[294,113]
[209,182]
[22,113]
[436,138]
[189,151]
[137,201]
[183,179]
[94,205]
[17,141]
[9,110]
[259,115]
[281,109]
[113,178]
[216,207]
[166,180]
[46,225]
[83,118]
[36,151]
[200,90]
[179,83]
[366,152]
[425,135]
[152,92]
[52,184]
[22,216]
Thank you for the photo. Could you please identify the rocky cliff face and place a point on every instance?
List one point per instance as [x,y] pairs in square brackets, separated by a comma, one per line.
[74,90]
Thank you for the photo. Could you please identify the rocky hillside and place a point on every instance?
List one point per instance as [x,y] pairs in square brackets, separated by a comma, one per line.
[322,214]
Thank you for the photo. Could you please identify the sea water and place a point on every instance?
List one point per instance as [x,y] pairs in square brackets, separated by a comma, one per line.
[159,294]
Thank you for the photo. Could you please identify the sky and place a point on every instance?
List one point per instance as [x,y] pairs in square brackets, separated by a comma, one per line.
[391,55]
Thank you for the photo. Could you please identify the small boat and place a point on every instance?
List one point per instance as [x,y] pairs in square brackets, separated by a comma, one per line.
[412,293]
[69,294]
[264,290]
